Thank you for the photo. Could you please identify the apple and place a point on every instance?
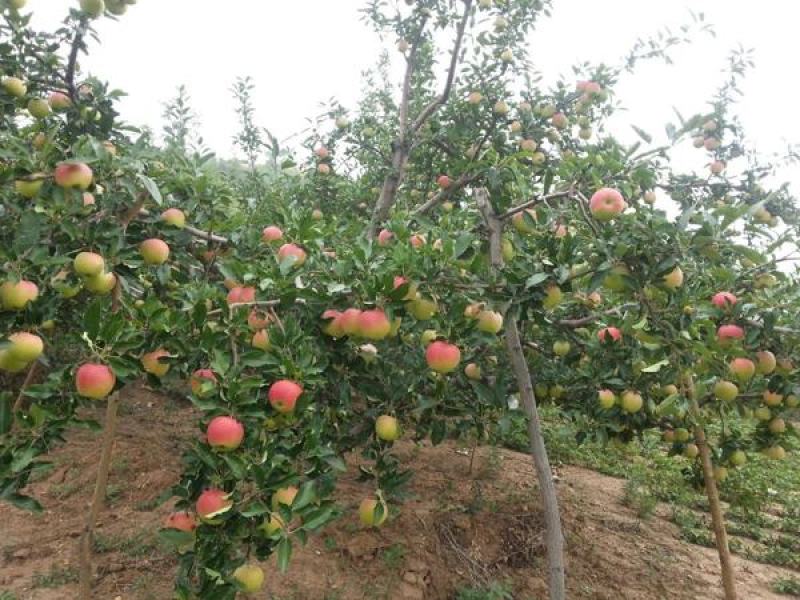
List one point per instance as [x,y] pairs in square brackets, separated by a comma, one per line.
[490,321]
[508,250]
[525,221]
[260,340]
[422,309]
[711,143]
[738,458]
[428,337]
[17,295]
[332,324]
[472,371]
[25,347]
[316,214]
[93,8]
[556,391]
[674,279]
[94,381]
[443,182]
[650,197]
[609,334]
[154,251]
[88,199]
[368,514]
[500,24]
[606,398]
[561,348]
[724,300]
[342,123]
[291,254]
[284,496]
[257,319]
[349,322]
[101,284]
[501,108]
[182,521]
[631,402]
[385,237]
[201,381]
[777,425]
[323,169]
[668,436]
[669,390]
[271,234]
[174,217]
[442,357]
[212,503]
[507,56]
[224,433]
[417,240]
[743,369]
[615,280]
[792,401]
[691,451]
[726,333]
[717,167]
[775,452]
[528,145]
[283,395]
[772,398]
[249,577]
[516,127]
[474,97]
[88,264]
[387,428]
[59,101]
[473,310]
[681,435]
[272,525]
[559,120]
[152,364]
[28,188]
[606,203]
[73,175]
[553,297]
[766,362]
[39,108]
[726,391]
[373,324]
[762,413]
[14,86]
[241,295]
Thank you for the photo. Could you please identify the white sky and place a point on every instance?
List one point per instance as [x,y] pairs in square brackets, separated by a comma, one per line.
[301,52]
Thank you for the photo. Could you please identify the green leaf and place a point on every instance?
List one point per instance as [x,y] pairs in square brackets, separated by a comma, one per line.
[152,189]
[642,134]
[536,279]
[305,496]
[176,537]
[23,459]
[6,416]
[24,502]
[284,551]
[656,367]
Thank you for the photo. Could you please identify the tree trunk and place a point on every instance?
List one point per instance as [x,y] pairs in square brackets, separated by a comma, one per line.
[389,190]
[554,536]
[98,499]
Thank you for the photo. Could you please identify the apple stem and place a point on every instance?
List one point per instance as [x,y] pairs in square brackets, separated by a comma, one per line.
[554,537]
[717,518]
[98,499]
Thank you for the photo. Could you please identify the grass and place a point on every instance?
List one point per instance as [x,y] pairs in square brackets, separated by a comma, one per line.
[789,586]
[57,577]
[394,556]
[493,591]
[143,543]
[764,513]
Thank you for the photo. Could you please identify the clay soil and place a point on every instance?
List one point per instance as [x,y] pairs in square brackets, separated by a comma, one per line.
[456,529]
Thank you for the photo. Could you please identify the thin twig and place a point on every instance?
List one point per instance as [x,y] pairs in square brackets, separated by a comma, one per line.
[72,62]
[19,402]
[570,193]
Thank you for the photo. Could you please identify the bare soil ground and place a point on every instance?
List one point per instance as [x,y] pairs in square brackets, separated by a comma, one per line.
[457,529]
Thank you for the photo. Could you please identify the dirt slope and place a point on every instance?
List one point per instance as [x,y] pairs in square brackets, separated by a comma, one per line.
[456,529]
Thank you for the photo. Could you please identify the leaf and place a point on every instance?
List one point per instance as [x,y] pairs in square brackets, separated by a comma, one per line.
[24,502]
[6,418]
[151,188]
[176,537]
[317,519]
[284,551]
[305,496]
[656,367]
[536,279]
[23,459]
[642,134]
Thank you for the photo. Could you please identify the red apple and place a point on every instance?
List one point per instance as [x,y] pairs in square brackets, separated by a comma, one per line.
[258,319]
[261,340]
[212,503]
[727,333]
[283,395]
[606,398]
[349,321]
[73,175]
[59,101]
[16,295]
[241,295]
[490,321]
[292,253]
[152,364]
[766,362]
[373,324]
[284,496]
[723,300]
[417,240]
[443,182]
[606,203]
[154,251]
[174,217]
[385,237]
[182,521]
[199,381]
[224,433]
[271,234]
[443,357]
[743,369]
[94,381]
[322,152]
[559,120]
[609,334]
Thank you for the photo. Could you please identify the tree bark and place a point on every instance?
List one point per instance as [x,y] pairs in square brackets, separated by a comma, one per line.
[98,499]
[554,536]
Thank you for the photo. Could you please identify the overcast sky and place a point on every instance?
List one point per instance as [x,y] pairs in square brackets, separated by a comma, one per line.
[301,52]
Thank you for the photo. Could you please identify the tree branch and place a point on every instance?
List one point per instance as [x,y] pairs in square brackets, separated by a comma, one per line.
[198,233]
[570,193]
[72,62]
[441,195]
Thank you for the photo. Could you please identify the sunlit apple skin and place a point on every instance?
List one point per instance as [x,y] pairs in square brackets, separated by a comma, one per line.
[293,253]
[552,297]
[615,280]
[154,251]
[94,381]
[691,451]
[257,319]
[738,458]
[606,203]
[606,399]
[199,378]
[283,395]
[174,217]
[609,334]
[473,372]
[772,399]
[385,237]
[16,296]
[474,97]
[422,309]
[490,321]
[443,182]
[777,426]
[93,8]
[743,369]
[241,295]
[14,86]
[349,322]
[775,452]
[152,364]
[561,348]
[373,324]
[25,347]
[101,284]
[272,524]
[332,324]
[88,264]
[9,364]
[250,578]
[717,167]
[182,521]
[417,240]
[212,503]
[724,300]
[387,428]
[728,333]
[39,108]
[726,391]
[28,188]
[525,221]
[284,496]
[73,175]
[271,234]
[225,433]
[443,357]
[631,402]
[366,513]
[261,340]
[674,279]
[766,362]
[59,101]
